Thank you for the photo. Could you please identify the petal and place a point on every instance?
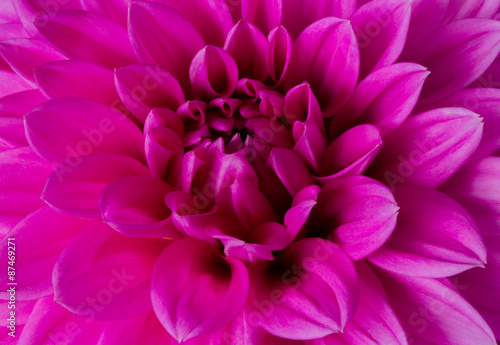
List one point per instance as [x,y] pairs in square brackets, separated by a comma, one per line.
[310,143]
[300,104]
[298,14]
[327,56]
[195,290]
[39,239]
[385,98]
[11,132]
[159,117]
[433,312]
[357,213]
[381,27]
[248,46]
[266,15]
[22,102]
[290,169]
[297,216]
[434,237]
[63,129]
[87,36]
[77,79]
[10,83]
[164,151]
[279,53]
[161,36]
[106,272]
[212,18]
[316,299]
[424,151]
[213,73]
[76,191]
[143,87]
[135,206]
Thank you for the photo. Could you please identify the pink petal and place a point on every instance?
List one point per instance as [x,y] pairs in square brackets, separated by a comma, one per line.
[143,87]
[164,151]
[135,206]
[159,117]
[434,237]
[76,191]
[87,36]
[63,129]
[433,312]
[10,83]
[273,131]
[327,56]
[300,104]
[279,53]
[213,73]
[424,151]
[266,15]
[105,272]
[385,98]
[161,36]
[212,18]
[351,153]
[310,143]
[290,169]
[193,165]
[459,9]
[11,132]
[22,102]
[23,177]
[248,46]
[39,239]
[381,27]
[313,286]
[77,79]
[298,14]
[196,291]
[297,216]
[24,54]
[356,212]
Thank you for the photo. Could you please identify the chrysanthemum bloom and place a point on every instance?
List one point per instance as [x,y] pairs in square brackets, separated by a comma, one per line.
[264,172]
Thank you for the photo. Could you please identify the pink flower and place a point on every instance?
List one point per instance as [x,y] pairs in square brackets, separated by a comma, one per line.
[264,172]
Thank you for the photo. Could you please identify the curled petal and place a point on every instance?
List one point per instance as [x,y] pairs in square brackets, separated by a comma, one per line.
[105,272]
[300,104]
[279,53]
[159,117]
[213,73]
[87,36]
[75,191]
[424,151]
[310,143]
[164,150]
[290,169]
[195,290]
[326,55]
[143,87]
[302,205]
[313,285]
[266,15]
[193,166]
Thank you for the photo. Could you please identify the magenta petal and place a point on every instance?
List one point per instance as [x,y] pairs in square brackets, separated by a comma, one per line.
[298,14]
[143,87]
[420,302]
[424,151]
[326,55]
[351,153]
[195,290]
[105,272]
[300,104]
[23,177]
[161,36]
[302,205]
[23,55]
[266,15]
[39,239]
[381,27]
[310,143]
[77,79]
[290,169]
[10,83]
[164,151]
[159,117]
[11,132]
[434,237]
[87,36]
[313,285]
[135,206]
[21,103]
[76,191]
[193,162]
[361,213]
[63,129]
[248,46]
[385,98]
[213,73]
[272,131]
[279,54]
[212,18]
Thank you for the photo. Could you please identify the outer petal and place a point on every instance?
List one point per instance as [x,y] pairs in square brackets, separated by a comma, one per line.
[195,290]
[106,272]
[435,236]
[433,312]
[424,151]
[327,56]
[63,129]
[76,191]
[313,285]
[266,15]
[381,27]
[11,83]
[87,36]
[39,239]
